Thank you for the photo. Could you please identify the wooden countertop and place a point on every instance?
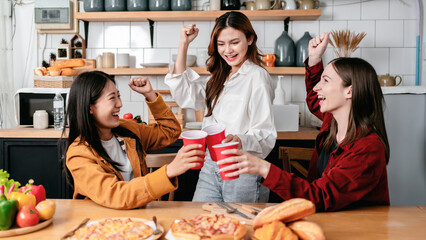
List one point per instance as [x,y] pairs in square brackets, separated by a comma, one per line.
[304,133]
[395,222]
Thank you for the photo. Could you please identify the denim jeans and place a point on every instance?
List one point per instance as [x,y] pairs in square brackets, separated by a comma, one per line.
[211,187]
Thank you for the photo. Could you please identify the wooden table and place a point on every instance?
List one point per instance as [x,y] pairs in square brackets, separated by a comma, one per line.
[364,223]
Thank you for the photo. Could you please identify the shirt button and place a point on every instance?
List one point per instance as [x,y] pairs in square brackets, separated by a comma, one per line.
[330,163]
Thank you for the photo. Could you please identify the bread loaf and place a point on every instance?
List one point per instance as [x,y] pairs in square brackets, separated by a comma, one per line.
[67,72]
[275,230]
[286,211]
[307,230]
[68,64]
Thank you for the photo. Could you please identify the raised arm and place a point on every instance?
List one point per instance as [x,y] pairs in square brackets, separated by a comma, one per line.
[187,35]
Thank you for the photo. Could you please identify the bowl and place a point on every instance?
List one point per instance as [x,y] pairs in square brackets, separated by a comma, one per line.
[190,59]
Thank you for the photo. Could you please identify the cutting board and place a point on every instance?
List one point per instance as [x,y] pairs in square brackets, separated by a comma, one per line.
[216,209]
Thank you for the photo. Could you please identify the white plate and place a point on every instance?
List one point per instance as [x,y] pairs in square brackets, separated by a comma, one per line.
[154,64]
[193,125]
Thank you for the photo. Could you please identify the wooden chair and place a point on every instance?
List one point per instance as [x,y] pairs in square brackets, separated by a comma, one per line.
[154,161]
[293,157]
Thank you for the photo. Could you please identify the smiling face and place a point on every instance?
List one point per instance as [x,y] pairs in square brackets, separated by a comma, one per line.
[334,97]
[106,110]
[232,46]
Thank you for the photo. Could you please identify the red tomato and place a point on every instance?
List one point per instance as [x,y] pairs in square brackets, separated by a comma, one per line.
[27,216]
[128,116]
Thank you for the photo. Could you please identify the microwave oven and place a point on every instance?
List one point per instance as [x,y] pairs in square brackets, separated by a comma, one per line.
[28,100]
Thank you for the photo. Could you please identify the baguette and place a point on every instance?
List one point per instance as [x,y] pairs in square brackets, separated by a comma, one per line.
[307,230]
[275,230]
[287,211]
[68,64]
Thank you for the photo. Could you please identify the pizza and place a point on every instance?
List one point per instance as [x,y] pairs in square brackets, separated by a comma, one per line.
[114,228]
[216,227]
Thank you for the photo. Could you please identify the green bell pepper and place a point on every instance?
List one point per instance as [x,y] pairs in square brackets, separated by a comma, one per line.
[8,210]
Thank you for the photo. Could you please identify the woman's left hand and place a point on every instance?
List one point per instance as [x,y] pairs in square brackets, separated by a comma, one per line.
[233,138]
[245,163]
[143,86]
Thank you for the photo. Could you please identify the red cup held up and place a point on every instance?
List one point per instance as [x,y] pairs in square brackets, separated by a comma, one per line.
[195,137]
[216,134]
[218,148]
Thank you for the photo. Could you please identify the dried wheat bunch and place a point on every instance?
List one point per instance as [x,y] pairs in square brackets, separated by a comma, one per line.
[345,42]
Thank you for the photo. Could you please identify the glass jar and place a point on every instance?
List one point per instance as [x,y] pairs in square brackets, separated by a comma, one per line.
[159,5]
[137,5]
[40,119]
[181,5]
[115,5]
[94,5]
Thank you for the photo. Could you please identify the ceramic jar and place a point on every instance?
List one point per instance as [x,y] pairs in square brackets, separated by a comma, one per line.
[137,5]
[108,60]
[181,5]
[230,5]
[302,49]
[284,50]
[94,5]
[115,5]
[308,4]
[159,5]
[40,119]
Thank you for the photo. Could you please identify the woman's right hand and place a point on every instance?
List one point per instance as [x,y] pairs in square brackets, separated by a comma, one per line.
[317,47]
[188,33]
[186,158]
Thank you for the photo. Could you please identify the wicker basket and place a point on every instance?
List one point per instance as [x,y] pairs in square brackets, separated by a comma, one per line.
[52,82]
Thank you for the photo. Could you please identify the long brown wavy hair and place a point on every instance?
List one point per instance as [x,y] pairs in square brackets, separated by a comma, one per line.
[367,102]
[216,65]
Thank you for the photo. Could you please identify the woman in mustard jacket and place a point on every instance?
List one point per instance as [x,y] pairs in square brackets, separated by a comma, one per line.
[105,158]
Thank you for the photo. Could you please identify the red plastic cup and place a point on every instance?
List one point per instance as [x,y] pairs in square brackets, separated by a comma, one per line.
[216,133]
[218,148]
[195,137]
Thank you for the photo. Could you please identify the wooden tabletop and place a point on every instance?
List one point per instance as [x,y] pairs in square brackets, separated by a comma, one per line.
[304,133]
[364,223]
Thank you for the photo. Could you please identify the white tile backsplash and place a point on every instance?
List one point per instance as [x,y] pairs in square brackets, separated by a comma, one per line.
[96,35]
[135,108]
[326,10]
[167,34]
[300,27]
[410,33]
[122,85]
[378,58]
[403,9]
[327,26]
[402,61]
[139,35]
[347,10]
[377,9]
[298,89]
[389,33]
[155,55]
[273,30]
[364,26]
[117,34]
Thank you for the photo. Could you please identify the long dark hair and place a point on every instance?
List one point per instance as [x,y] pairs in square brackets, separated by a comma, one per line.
[367,102]
[85,91]
[216,65]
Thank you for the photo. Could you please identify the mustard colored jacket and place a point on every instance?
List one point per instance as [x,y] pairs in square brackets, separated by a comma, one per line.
[96,179]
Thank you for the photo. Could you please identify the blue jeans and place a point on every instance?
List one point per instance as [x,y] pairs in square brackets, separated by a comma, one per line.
[211,187]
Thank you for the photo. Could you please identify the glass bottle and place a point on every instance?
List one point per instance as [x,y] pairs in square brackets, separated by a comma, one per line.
[58,112]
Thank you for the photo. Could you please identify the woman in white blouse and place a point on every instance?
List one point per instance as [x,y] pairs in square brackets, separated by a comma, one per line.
[238,95]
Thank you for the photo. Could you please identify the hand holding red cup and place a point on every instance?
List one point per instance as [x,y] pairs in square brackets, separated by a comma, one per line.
[218,148]
[195,137]
[216,134]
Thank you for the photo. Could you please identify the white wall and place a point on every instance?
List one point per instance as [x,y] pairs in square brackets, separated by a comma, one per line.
[389,45]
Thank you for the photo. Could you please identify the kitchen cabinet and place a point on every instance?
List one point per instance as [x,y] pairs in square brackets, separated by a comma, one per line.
[152,16]
[38,159]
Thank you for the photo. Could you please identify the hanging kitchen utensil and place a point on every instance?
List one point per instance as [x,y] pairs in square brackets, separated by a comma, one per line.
[151,31]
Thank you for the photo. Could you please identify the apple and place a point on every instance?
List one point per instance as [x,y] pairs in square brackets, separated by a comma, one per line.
[128,116]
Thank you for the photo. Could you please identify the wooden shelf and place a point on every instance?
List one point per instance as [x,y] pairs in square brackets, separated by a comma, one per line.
[199,70]
[164,16]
